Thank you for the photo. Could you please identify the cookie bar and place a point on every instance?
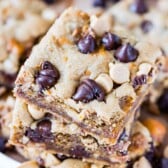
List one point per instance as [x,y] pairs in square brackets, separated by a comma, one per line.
[22,22]
[97,85]
[140,144]
[62,137]
[96,82]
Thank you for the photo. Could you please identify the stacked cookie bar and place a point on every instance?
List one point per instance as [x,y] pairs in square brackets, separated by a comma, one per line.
[78,92]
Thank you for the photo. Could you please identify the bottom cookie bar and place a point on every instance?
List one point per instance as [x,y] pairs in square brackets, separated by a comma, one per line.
[140,140]
[51,133]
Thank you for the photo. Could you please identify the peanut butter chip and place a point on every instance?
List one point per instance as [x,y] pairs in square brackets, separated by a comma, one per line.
[105,81]
[35,112]
[144,69]
[119,73]
[102,24]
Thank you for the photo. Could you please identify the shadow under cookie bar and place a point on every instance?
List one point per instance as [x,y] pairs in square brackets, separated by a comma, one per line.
[98,87]
[51,133]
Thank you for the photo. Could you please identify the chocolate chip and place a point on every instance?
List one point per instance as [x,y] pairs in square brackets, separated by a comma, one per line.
[111,41]
[87,44]
[78,152]
[126,53]
[99,3]
[139,80]
[89,90]
[146,26]
[139,7]
[49,1]
[115,1]
[47,76]
[44,126]
[42,133]
[41,161]
[2,144]
[163,102]
[61,157]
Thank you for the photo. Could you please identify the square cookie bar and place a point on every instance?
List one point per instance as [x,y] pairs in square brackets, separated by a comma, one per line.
[62,138]
[22,23]
[96,82]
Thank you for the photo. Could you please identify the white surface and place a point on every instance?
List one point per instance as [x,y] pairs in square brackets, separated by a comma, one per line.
[6,162]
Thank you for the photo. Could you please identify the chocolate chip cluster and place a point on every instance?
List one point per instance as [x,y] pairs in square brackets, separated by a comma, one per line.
[139,6]
[124,52]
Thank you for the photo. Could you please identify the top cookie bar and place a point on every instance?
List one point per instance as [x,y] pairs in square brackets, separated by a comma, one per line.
[94,81]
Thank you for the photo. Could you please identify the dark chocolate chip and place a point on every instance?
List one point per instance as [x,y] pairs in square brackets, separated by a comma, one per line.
[89,90]
[42,133]
[99,3]
[41,161]
[78,152]
[87,44]
[139,7]
[163,102]
[49,1]
[47,76]
[139,80]
[115,1]
[36,136]
[111,41]
[61,157]
[44,126]
[146,26]
[126,53]
[2,144]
